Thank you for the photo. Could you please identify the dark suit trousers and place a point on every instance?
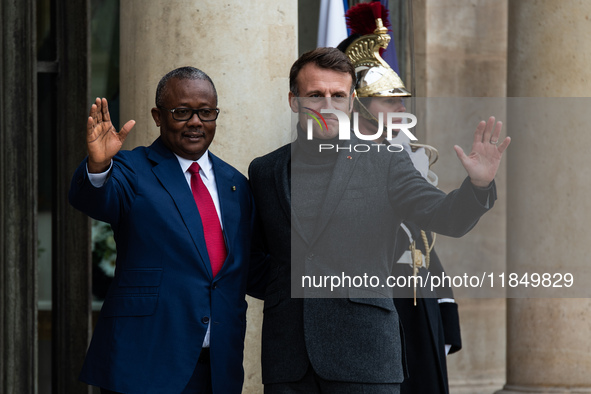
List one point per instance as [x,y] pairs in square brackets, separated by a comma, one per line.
[311,383]
[200,382]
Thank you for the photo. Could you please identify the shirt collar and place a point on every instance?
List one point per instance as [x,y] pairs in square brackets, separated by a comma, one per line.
[204,163]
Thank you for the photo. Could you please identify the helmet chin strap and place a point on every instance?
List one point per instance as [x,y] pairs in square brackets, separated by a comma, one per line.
[365,114]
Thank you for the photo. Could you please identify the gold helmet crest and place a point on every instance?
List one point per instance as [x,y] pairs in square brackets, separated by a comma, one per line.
[375,78]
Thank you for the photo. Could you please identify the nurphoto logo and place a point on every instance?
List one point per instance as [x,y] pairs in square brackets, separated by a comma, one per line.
[394,121]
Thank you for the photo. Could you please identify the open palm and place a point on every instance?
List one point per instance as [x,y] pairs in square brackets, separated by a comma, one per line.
[102,140]
[484,160]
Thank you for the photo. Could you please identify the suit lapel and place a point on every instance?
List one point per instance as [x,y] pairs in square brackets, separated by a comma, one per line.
[282,181]
[170,175]
[283,184]
[229,205]
[341,174]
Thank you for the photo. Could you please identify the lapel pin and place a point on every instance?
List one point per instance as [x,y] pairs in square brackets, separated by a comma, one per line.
[349,157]
[233,188]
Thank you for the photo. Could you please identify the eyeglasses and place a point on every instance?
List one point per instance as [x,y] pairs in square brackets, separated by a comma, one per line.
[183,114]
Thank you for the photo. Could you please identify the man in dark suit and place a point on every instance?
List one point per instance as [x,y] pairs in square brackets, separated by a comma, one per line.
[183,221]
[323,208]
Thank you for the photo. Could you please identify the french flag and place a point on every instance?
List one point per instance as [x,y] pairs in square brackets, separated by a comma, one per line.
[332,27]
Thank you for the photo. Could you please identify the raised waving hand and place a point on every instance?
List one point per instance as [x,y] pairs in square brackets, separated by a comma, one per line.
[484,160]
[102,140]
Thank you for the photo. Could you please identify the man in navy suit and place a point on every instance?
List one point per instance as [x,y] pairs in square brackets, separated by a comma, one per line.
[183,221]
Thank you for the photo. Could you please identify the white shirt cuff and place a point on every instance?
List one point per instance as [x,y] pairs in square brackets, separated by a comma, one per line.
[98,180]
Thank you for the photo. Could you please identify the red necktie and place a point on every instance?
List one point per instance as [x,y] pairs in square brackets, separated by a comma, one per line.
[212,230]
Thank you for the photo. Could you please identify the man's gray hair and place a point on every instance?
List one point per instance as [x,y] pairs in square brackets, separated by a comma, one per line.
[182,73]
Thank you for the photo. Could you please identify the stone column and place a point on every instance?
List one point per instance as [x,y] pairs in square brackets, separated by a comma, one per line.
[548,347]
[247,49]
[460,57]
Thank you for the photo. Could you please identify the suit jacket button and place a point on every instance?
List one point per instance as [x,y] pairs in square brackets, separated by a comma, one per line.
[310,257]
[205,320]
[215,286]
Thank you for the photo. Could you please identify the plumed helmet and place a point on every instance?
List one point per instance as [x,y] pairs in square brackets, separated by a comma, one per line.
[375,78]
